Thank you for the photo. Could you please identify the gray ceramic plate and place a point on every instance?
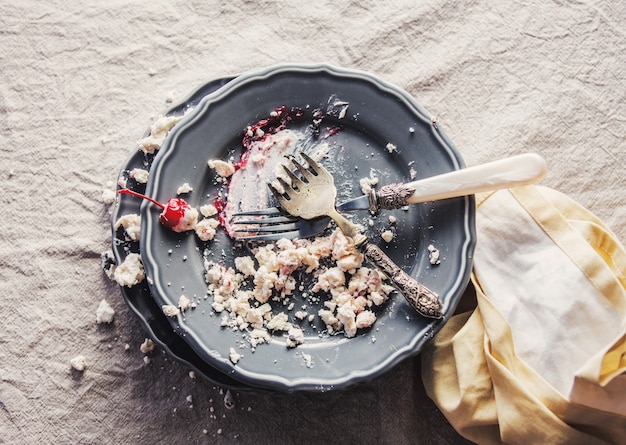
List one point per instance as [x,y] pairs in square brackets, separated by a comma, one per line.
[378,114]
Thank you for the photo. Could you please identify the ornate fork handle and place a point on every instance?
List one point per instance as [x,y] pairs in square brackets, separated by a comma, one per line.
[422,299]
[391,196]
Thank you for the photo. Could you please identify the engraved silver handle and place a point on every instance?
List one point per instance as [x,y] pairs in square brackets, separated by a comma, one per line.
[423,300]
[514,171]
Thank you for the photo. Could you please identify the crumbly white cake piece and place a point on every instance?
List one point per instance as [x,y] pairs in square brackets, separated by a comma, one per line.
[245,265]
[353,289]
[222,168]
[365,319]
[132,225]
[170,310]
[259,336]
[347,317]
[206,228]
[184,189]
[279,322]
[158,132]
[367,183]
[130,272]
[79,363]
[184,303]
[108,196]
[147,346]
[433,255]
[301,315]
[139,175]
[234,356]
[104,313]
[387,236]
[295,336]
[208,210]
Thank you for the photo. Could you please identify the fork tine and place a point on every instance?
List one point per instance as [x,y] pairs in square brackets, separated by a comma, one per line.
[305,172]
[265,220]
[296,182]
[279,196]
[313,165]
[262,212]
[286,186]
[270,236]
[286,227]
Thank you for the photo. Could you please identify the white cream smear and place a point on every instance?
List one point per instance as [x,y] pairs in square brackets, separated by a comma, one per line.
[248,185]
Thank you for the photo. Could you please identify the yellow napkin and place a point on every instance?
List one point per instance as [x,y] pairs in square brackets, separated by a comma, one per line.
[542,357]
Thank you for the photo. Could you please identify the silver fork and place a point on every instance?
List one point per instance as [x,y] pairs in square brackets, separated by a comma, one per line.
[523,169]
[313,195]
[273,223]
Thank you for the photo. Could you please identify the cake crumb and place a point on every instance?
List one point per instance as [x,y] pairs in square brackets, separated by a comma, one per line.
[433,255]
[391,147]
[368,183]
[295,336]
[301,315]
[139,175]
[308,360]
[104,313]
[229,400]
[147,346]
[222,168]
[79,363]
[184,303]
[130,272]
[158,132]
[170,310]
[208,210]
[108,196]
[184,189]
[279,322]
[132,226]
[387,236]
[207,228]
[245,265]
[234,356]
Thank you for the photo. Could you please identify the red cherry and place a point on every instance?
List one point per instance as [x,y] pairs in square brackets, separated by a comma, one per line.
[173,211]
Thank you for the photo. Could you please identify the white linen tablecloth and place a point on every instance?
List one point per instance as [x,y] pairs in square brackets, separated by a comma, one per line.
[81,81]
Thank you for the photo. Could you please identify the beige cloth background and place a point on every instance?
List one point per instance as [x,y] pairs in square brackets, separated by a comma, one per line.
[81,81]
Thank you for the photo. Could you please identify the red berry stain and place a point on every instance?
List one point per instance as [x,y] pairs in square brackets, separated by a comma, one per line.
[220,205]
[278,120]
